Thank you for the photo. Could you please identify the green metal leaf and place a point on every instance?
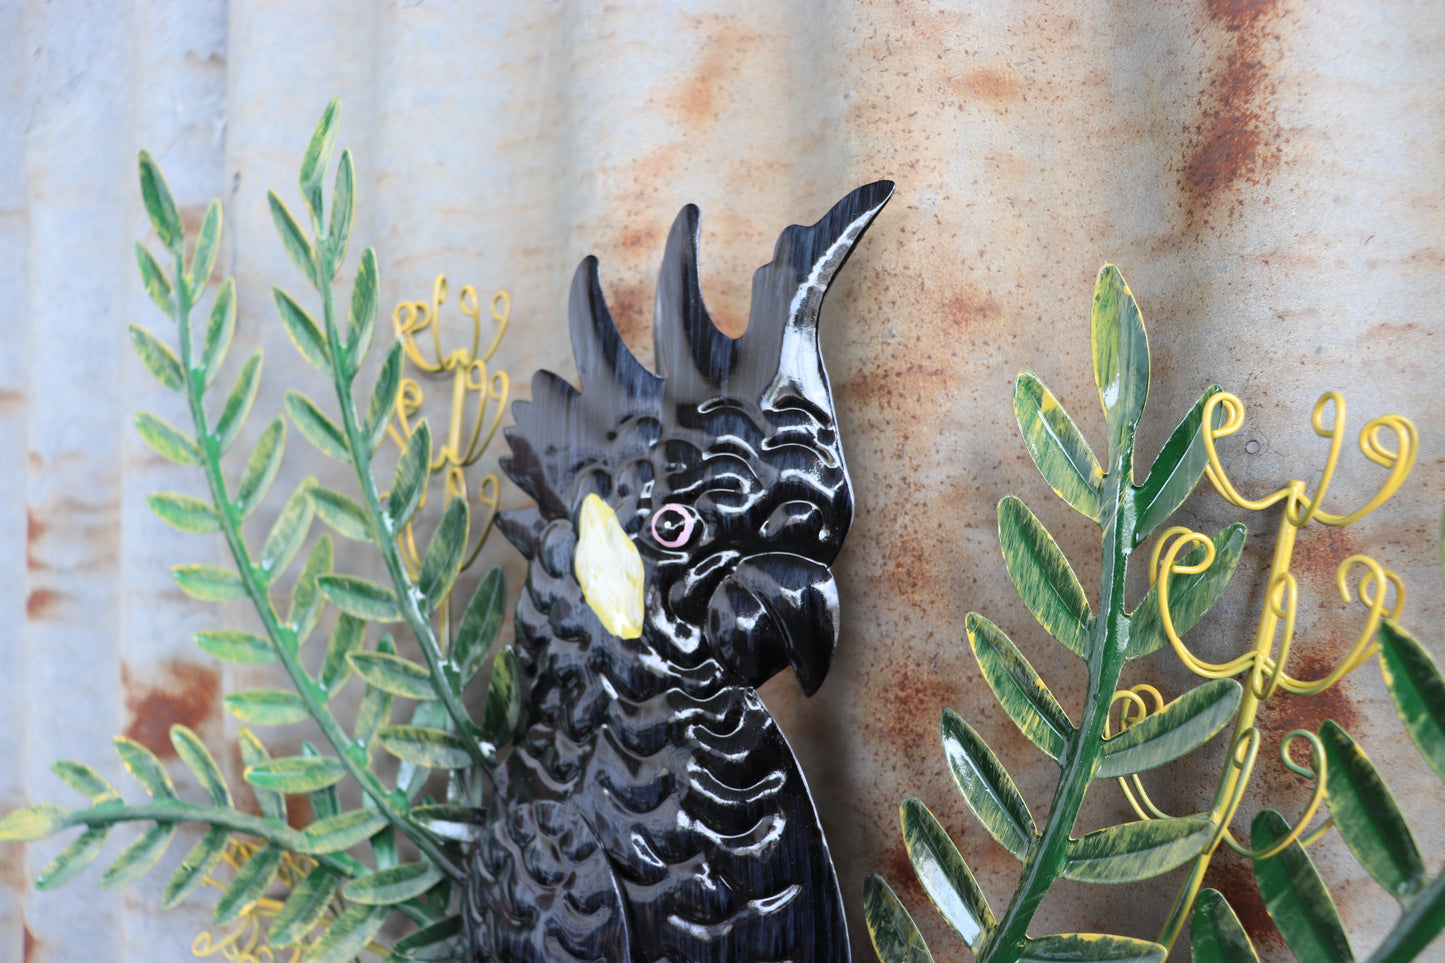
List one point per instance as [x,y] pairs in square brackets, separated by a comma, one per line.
[294,239]
[343,197]
[208,245]
[348,936]
[504,698]
[423,746]
[194,868]
[444,554]
[343,514]
[184,513]
[1121,358]
[236,647]
[191,751]
[33,822]
[324,802]
[317,156]
[249,884]
[320,430]
[297,774]
[410,778]
[209,583]
[363,599]
[1368,818]
[73,859]
[1137,850]
[261,468]
[383,396]
[305,334]
[434,942]
[238,403]
[1090,948]
[364,304]
[895,936]
[306,599]
[219,330]
[394,674]
[144,768]
[375,709]
[343,831]
[1296,897]
[1043,577]
[986,786]
[479,626]
[153,276]
[346,638]
[303,908]
[287,535]
[160,205]
[84,780]
[1179,728]
[1190,596]
[1018,688]
[1175,472]
[944,875]
[166,439]
[395,885]
[253,753]
[412,471]
[1216,935]
[158,358]
[1057,446]
[1417,690]
[139,856]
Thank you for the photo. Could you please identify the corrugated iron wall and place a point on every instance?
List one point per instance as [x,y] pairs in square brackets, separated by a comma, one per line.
[1267,175]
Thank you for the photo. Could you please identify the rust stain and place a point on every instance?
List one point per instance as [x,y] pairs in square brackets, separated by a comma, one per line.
[299,813]
[9,398]
[991,84]
[1233,876]
[32,947]
[40,603]
[1235,140]
[34,531]
[177,693]
[631,307]
[726,43]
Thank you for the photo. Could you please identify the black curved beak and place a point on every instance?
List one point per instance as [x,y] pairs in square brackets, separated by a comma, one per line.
[776,610]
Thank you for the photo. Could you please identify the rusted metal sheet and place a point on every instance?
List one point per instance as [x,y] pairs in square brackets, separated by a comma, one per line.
[1266,174]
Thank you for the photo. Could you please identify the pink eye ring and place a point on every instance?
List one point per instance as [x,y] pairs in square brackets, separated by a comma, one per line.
[685,533]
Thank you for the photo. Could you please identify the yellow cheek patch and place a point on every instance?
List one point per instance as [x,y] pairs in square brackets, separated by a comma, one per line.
[609,569]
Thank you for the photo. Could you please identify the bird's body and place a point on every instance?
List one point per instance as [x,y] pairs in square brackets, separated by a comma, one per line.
[649,807]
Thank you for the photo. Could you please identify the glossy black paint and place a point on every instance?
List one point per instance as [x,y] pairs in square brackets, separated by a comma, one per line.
[649,807]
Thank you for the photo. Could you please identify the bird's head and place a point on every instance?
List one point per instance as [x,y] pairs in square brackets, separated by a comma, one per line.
[706,502]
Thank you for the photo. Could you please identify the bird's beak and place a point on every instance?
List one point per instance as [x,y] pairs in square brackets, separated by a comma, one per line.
[609,569]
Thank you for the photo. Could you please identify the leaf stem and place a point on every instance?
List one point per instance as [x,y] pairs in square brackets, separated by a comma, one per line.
[282,638]
[407,597]
[1108,643]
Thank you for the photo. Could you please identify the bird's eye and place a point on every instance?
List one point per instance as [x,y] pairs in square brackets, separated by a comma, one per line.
[672,525]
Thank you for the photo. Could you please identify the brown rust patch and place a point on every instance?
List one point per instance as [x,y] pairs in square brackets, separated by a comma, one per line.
[726,42]
[31,947]
[40,603]
[991,84]
[178,693]
[1233,876]
[1235,140]
[34,532]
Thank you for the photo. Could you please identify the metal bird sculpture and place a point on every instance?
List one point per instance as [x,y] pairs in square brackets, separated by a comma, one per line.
[649,808]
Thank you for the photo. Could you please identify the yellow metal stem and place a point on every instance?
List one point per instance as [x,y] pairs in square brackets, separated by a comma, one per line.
[1274,637]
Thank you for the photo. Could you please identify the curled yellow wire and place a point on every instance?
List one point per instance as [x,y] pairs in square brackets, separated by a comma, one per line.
[478,403]
[1391,442]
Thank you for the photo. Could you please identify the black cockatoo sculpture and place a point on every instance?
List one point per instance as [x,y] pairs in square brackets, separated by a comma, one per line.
[648,807]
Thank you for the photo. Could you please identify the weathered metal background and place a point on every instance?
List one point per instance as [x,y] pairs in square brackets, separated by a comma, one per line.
[1267,174]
